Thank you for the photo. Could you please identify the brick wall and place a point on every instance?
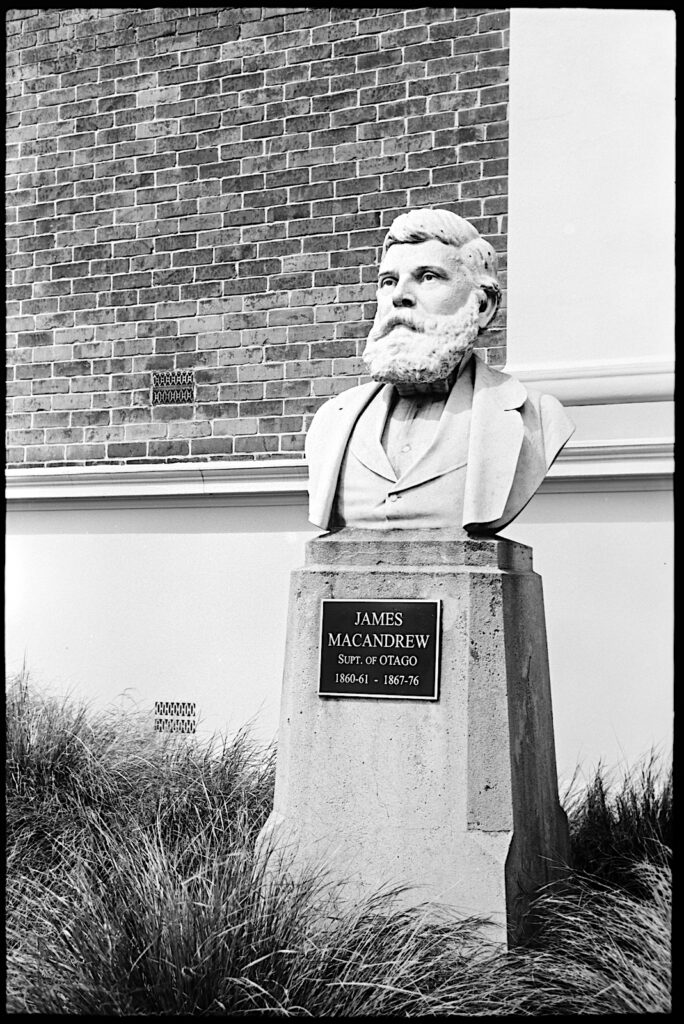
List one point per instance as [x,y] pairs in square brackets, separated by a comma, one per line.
[207,189]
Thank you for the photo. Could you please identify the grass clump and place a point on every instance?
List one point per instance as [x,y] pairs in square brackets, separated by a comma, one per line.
[133,888]
[600,950]
[74,776]
[615,824]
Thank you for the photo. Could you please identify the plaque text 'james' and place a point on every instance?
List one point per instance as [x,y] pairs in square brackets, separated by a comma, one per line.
[379,649]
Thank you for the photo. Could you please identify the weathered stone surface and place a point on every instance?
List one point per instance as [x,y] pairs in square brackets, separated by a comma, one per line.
[456,799]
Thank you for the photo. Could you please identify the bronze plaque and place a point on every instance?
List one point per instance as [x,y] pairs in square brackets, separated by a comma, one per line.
[379,649]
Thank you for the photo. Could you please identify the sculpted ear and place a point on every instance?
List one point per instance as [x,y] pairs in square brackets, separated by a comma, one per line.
[480,260]
[490,297]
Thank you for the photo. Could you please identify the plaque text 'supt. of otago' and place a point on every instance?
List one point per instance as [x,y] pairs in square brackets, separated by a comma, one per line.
[379,649]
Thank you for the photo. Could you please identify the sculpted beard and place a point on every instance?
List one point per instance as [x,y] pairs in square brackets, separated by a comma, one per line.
[406,349]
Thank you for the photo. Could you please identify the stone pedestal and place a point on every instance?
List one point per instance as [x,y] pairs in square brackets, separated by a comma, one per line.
[457,798]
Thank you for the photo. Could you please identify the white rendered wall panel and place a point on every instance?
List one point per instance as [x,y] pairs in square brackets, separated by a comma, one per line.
[606,561]
[156,604]
[591,185]
[191,604]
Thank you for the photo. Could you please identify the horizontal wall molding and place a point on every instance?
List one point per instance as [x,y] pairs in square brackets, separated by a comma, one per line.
[601,383]
[616,464]
[276,482]
[636,464]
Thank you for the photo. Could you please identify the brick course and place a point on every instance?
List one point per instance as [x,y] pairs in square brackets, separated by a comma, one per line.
[208,189]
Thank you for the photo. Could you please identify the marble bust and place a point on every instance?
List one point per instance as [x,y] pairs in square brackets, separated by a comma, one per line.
[437,439]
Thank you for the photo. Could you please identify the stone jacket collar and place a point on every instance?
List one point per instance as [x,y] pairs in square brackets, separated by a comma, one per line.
[447,451]
[506,422]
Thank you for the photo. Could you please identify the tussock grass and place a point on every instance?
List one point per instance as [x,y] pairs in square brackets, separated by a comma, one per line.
[71,773]
[600,950]
[616,823]
[133,888]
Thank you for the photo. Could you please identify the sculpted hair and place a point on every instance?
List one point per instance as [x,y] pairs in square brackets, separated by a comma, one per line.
[476,254]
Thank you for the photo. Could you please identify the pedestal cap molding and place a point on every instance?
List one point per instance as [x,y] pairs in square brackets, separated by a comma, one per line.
[377,548]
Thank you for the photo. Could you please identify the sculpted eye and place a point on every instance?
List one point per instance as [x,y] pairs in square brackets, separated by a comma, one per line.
[429,276]
[385,281]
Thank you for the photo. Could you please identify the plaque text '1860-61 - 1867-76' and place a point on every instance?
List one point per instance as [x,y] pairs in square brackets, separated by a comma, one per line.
[379,649]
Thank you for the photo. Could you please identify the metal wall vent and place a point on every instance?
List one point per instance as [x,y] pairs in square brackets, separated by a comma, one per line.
[175,716]
[173,387]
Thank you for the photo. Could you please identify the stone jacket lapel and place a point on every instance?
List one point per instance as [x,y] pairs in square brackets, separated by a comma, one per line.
[511,429]
[448,449]
[496,437]
[366,444]
[326,443]
[515,435]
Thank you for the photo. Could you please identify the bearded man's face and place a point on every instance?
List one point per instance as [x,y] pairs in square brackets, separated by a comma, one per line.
[427,318]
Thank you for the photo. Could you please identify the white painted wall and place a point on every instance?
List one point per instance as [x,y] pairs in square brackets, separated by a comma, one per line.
[591,319]
[190,603]
[606,561]
[160,603]
[591,185]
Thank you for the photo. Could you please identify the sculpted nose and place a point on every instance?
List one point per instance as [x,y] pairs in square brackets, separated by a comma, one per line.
[403,294]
